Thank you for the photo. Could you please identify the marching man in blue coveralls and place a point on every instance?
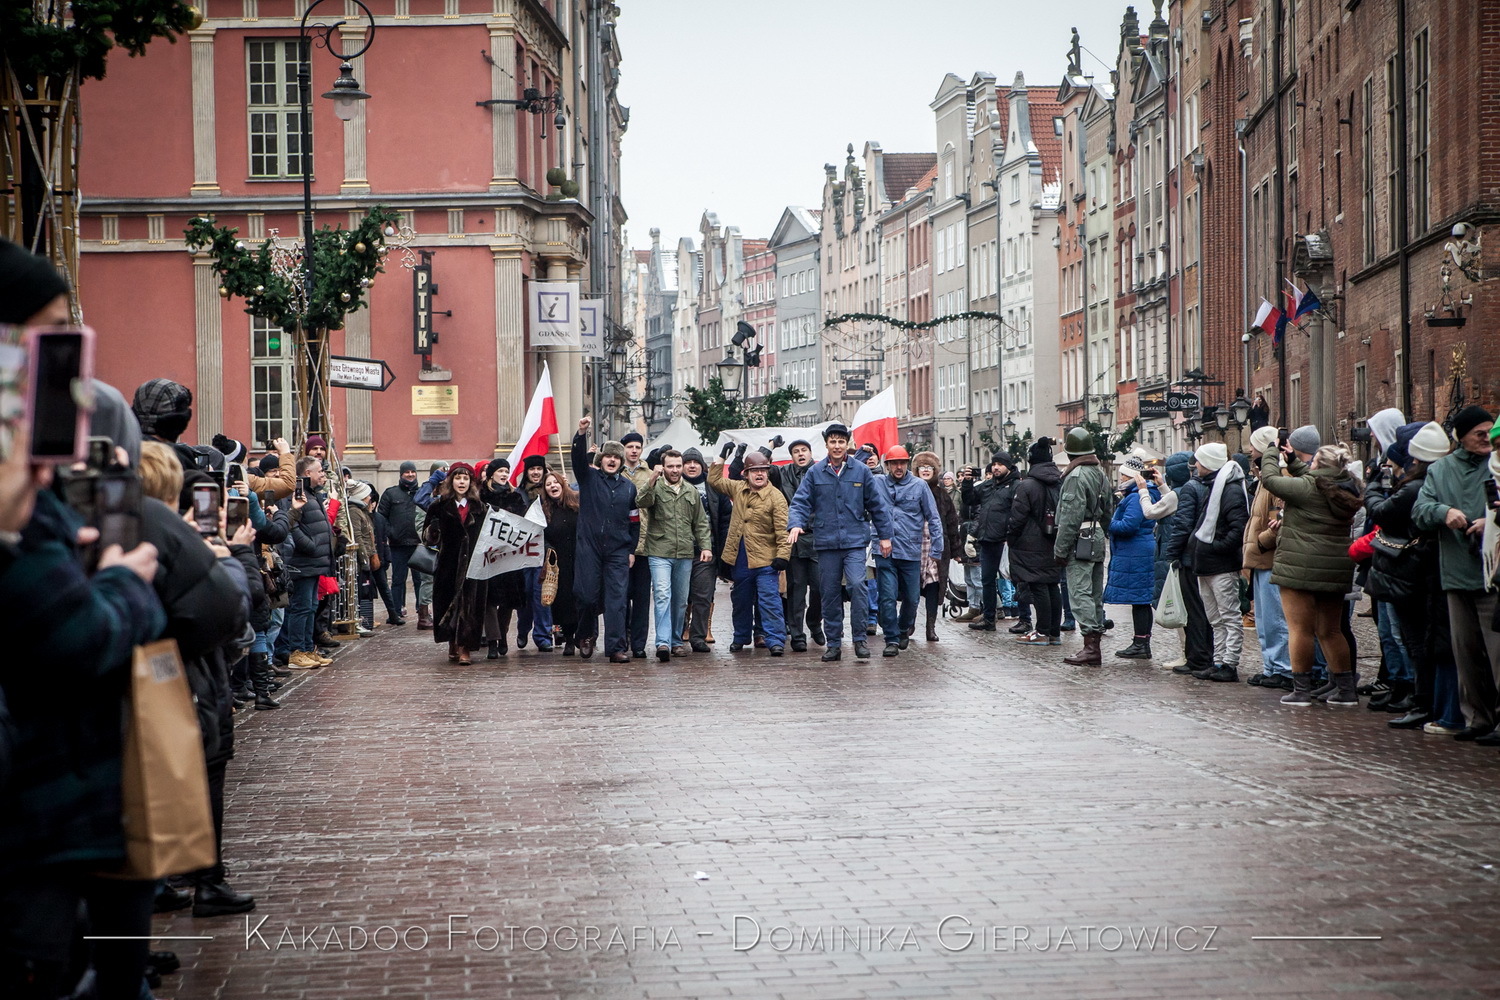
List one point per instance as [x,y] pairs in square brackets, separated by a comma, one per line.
[899,568]
[838,502]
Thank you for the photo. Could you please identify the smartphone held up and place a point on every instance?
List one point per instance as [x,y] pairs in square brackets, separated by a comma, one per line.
[58,395]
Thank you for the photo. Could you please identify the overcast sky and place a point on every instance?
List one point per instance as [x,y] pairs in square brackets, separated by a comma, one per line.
[735,106]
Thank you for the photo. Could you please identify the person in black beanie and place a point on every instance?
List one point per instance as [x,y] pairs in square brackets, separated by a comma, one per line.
[398,506]
[642,608]
[32,292]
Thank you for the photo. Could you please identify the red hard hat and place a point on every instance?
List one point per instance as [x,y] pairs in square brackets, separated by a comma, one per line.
[897,454]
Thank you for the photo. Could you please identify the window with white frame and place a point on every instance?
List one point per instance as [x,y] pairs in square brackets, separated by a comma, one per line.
[275,117]
[272,383]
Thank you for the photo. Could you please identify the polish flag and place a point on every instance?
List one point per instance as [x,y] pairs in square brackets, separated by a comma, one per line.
[539,426]
[875,421]
[1267,317]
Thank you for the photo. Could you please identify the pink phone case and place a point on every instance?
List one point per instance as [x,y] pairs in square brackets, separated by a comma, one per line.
[84,383]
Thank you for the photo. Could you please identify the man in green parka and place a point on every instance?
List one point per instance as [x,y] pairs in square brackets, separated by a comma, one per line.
[1083,511]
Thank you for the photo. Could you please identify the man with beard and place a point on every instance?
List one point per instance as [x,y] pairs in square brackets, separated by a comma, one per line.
[899,573]
[608,533]
[398,507]
[675,533]
[804,600]
[838,501]
[991,502]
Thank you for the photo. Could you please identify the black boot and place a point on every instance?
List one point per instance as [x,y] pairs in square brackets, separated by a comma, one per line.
[494,653]
[260,679]
[217,899]
[1139,649]
[1021,627]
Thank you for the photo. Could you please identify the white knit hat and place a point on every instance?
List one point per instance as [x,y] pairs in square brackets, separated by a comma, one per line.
[1213,456]
[1263,439]
[1430,443]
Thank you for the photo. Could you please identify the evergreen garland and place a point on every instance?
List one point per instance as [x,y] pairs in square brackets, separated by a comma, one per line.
[345,263]
[37,45]
[902,324]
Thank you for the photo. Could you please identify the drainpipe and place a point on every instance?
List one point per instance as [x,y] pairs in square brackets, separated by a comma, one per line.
[1280,189]
[1403,234]
[1244,257]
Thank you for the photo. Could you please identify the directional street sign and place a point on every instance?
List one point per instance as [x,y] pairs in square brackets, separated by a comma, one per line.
[359,373]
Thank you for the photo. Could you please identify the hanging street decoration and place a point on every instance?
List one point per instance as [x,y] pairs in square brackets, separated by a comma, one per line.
[270,278]
[902,324]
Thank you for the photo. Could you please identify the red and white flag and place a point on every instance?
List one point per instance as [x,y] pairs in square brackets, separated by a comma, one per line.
[537,430]
[1266,317]
[875,421]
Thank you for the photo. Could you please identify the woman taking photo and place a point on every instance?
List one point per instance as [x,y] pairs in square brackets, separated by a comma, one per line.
[935,564]
[1132,556]
[1312,565]
[453,524]
[560,504]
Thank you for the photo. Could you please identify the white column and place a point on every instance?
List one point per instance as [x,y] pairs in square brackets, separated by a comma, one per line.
[358,436]
[510,347]
[502,116]
[208,342]
[352,37]
[205,153]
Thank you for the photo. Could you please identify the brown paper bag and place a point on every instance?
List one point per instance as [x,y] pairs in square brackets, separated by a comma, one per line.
[169,828]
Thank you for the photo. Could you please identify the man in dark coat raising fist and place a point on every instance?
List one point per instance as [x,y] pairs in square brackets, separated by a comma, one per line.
[609,530]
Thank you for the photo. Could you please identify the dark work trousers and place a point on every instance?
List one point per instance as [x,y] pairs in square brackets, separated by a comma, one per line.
[215,872]
[610,571]
[39,927]
[804,599]
[400,555]
[1046,599]
[989,562]
[836,568]
[701,598]
[642,607]
[1199,648]
[1141,617]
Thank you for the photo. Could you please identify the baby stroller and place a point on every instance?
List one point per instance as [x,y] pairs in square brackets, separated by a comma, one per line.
[956,599]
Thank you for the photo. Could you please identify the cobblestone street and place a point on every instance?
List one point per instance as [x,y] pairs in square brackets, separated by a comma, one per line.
[972,818]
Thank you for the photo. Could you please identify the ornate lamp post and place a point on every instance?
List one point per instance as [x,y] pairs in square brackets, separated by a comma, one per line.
[346,95]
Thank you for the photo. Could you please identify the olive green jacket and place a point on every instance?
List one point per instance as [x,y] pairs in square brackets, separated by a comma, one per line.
[1085,499]
[1312,552]
[674,523]
[1455,480]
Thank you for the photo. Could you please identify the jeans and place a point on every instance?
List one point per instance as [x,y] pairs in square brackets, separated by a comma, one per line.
[835,566]
[670,579]
[973,584]
[1398,666]
[804,601]
[299,614]
[756,588]
[536,616]
[1086,590]
[400,555]
[1270,625]
[900,580]
[1221,603]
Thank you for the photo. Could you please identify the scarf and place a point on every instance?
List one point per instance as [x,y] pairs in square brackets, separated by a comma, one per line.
[1490,544]
[1230,473]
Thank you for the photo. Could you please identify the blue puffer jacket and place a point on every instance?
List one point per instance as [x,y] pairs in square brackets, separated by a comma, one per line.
[840,510]
[1132,552]
[911,505]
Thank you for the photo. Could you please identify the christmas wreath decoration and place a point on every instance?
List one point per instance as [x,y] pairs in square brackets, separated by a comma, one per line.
[904,324]
[269,279]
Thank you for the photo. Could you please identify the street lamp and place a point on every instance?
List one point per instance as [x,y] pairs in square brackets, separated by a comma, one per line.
[731,373]
[648,406]
[1106,415]
[1241,410]
[346,95]
[1221,419]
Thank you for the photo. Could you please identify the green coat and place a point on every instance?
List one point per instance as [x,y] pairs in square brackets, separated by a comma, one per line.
[1085,497]
[1312,549]
[1456,480]
[674,524]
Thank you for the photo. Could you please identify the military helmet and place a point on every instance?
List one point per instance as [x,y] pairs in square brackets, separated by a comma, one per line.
[1078,442]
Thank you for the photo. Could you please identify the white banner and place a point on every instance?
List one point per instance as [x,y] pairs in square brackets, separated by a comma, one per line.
[508,542]
[591,328]
[554,314]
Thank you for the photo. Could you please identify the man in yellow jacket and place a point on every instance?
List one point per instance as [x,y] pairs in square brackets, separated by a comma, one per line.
[757,548]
